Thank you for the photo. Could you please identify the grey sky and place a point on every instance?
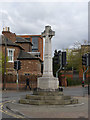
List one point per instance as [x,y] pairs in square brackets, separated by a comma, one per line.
[69,20]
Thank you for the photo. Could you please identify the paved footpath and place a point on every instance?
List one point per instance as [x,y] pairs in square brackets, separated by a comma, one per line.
[48,111]
[53,111]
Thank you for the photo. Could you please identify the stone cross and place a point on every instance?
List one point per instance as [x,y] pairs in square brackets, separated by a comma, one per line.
[47,82]
[48,34]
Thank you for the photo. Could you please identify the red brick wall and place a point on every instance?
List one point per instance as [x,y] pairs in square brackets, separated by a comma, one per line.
[30,66]
[21,86]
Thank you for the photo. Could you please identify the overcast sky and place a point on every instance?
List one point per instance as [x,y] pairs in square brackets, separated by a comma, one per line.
[69,20]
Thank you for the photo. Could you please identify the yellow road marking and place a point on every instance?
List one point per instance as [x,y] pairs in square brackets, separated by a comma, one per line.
[6,112]
[1,106]
[9,114]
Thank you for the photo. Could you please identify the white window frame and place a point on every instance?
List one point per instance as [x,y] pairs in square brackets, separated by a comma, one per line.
[12,54]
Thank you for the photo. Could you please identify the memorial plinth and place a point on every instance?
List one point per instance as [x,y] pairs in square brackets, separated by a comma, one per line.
[47,93]
[47,81]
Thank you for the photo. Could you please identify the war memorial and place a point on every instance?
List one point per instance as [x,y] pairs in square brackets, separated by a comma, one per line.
[47,92]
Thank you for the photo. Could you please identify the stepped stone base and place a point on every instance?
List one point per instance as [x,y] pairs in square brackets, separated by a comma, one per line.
[48,98]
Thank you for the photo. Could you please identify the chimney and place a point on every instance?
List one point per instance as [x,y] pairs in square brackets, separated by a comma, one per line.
[6,32]
[6,29]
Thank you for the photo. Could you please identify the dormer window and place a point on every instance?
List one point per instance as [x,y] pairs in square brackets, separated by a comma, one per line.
[11,55]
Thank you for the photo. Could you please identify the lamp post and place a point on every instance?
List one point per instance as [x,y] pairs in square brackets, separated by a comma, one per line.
[4,80]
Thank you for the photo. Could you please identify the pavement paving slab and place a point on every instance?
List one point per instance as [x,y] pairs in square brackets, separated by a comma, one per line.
[53,111]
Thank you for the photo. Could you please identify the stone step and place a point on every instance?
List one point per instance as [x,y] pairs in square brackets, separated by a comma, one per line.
[31,102]
[48,93]
[66,97]
[48,102]
[39,97]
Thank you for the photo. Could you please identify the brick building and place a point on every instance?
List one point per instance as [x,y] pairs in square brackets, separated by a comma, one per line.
[37,41]
[19,48]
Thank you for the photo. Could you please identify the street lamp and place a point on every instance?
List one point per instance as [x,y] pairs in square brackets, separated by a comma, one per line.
[4,80]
